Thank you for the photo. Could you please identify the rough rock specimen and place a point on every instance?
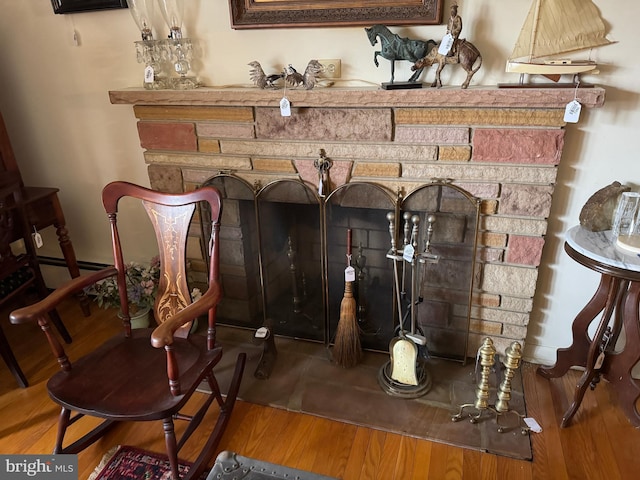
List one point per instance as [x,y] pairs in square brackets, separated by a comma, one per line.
[597,214]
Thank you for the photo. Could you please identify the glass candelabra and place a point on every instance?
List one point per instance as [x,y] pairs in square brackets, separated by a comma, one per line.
[168,61]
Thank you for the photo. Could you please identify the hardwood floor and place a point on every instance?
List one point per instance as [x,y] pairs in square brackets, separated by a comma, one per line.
[600,444]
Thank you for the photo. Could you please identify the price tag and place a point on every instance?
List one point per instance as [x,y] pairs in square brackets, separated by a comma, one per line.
[445,44]
[148,74]
[533,424]
[408,252]
[349,274]
[37,238]
[285,107]
[572,112]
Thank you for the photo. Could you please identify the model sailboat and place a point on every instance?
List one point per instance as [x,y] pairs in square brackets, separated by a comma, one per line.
[557,27]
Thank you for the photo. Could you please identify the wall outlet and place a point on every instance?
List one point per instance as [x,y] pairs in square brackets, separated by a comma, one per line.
[332,68]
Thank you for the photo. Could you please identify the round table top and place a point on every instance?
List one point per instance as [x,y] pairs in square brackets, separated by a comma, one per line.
[599,247]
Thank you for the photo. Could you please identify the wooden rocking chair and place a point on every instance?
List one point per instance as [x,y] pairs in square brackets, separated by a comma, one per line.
[167,363]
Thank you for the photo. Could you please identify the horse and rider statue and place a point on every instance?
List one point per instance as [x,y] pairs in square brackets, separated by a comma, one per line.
[423,54]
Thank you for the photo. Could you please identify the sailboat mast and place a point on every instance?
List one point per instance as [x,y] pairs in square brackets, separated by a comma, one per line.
[534,29]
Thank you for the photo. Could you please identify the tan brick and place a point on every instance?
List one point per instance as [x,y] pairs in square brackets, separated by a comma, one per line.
[370,169]
[489,207]
[518,226]
[484,327]
[165,178]
[489,239]
[193,113]
[526,200]
[218,162]
[486,299]
[437,135]
[478,173]
[208,145]
[509,280]
[372,151]
[226,130]
[273,165]
[480,116]
[454,153]
[517,304]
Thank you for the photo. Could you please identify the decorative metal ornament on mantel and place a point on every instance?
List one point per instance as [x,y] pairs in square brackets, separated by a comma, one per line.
[167,61]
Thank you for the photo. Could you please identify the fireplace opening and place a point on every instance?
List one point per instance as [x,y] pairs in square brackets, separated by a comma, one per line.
[284,253]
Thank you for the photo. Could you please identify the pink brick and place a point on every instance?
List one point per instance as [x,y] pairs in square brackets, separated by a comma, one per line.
[524,250]
[339,173]
[435,135]
[168,136]
[518,145]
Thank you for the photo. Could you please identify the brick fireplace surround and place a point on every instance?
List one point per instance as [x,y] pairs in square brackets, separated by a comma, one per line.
[501,145]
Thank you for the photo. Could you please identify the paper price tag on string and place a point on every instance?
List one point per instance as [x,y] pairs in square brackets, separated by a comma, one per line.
[148,74]
[349,274]
[285,107]
[407,253]
[445,44]
[37,238]
[572,111]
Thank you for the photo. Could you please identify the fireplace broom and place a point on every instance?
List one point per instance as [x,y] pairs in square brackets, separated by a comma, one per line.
[346,349]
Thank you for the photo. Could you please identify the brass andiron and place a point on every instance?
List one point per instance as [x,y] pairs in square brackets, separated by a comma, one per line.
[487,354]
[513,357]
[512,362]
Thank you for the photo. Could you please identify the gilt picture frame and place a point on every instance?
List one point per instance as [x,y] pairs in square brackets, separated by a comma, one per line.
[77,6]
[246,14]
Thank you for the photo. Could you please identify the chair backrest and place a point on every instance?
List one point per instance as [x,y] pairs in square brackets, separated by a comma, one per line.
[170,215]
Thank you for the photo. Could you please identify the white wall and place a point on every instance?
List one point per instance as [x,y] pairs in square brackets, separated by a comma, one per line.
[53,96]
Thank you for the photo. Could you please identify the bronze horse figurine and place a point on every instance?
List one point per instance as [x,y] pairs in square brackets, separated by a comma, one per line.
[466,56]
[395,48]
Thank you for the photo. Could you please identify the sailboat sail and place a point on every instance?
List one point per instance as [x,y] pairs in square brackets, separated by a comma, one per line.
[555,27]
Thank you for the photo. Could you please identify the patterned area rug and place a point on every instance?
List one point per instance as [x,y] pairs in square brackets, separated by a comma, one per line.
[130,463]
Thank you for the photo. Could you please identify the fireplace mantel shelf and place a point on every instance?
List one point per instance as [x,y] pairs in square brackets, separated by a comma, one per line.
[365,97]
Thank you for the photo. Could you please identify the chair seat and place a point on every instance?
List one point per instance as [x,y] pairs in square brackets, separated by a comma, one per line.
[126,378]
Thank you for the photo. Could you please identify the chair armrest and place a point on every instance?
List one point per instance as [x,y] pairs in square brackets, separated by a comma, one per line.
[76,285]
[163,334]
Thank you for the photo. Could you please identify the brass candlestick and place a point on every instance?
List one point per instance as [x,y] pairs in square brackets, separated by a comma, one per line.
[487,355]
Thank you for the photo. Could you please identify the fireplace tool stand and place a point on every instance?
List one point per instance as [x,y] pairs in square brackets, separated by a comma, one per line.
[405,374]
[487,353]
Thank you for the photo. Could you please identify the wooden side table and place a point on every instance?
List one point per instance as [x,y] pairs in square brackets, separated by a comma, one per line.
[617,300]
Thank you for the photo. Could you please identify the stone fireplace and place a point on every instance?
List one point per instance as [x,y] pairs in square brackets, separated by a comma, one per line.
[502,146]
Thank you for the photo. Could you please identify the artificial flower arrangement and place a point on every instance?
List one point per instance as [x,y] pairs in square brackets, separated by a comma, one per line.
[142,286]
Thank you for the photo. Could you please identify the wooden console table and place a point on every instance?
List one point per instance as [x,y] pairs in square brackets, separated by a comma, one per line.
[617,299]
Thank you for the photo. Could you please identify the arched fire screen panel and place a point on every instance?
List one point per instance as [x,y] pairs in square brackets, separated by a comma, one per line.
[362,208]
[446,218]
